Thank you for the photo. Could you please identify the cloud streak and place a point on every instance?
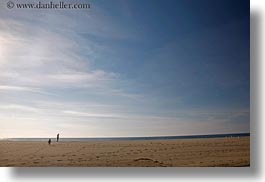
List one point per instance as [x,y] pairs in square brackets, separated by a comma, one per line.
[23,89]
[14,107]
[91,115]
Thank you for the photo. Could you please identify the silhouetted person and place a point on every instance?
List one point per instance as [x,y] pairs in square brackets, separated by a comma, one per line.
[58,137]
[49,141]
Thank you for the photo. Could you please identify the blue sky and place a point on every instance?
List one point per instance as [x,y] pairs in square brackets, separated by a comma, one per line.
[125,68]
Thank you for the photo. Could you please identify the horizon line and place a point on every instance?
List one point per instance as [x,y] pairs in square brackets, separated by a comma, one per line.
[241,133]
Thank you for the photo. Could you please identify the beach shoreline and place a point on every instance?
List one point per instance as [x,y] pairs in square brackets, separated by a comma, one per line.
[206,152]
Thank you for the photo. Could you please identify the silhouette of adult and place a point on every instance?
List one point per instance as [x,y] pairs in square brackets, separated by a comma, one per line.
[58,137]
[49,141]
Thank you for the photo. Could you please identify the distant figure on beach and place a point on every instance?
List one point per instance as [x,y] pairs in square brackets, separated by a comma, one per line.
[58,137]
[49,141]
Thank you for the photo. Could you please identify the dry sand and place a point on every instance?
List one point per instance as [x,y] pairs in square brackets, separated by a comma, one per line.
[157,153]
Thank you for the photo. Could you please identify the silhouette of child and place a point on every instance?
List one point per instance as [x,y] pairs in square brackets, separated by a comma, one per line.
[49,141]
[58,137]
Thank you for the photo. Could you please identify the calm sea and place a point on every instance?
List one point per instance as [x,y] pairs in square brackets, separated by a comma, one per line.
[132,138]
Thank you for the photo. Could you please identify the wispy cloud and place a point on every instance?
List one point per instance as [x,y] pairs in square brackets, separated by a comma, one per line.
[15,107]
[9,88]
[57,57]
[121,115]
[45,63]
[91,115]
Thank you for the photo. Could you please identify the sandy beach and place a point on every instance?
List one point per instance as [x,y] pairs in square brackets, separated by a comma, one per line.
[146,153]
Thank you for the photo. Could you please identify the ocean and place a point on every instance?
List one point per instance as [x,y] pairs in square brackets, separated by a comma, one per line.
[131,138]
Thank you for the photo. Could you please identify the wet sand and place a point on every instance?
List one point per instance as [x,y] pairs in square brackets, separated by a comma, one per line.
[145,153]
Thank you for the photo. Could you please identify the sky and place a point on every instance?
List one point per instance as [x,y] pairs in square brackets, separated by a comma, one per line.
[125,68]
